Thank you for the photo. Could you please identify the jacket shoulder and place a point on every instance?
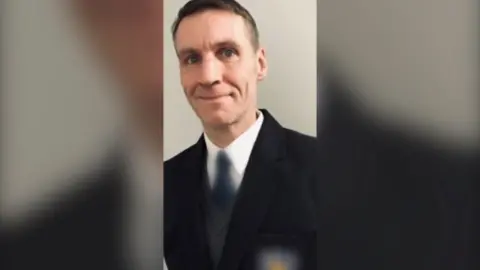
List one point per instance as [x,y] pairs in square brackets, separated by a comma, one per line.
[300,147]
[293,136]
[178,159]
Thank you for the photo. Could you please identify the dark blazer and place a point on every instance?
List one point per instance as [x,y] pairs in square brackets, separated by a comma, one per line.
[275,204]
[81,229]
[378,197]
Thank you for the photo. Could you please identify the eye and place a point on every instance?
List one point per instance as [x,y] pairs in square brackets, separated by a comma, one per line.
[191,59]
[227,52]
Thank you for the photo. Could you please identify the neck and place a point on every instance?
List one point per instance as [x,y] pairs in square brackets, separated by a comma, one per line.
[225,135]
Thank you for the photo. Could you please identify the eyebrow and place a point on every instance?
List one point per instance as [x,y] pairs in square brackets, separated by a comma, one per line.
[221,44]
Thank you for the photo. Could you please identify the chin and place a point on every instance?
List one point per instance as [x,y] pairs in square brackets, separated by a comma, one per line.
[217,119]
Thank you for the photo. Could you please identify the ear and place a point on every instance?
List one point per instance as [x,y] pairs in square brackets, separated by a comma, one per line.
[262,64]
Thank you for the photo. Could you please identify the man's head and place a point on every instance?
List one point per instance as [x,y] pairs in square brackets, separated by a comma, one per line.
[221,61]
[127,36]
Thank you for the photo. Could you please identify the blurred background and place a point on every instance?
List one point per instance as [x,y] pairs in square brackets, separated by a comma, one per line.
[414,60]
[57,109]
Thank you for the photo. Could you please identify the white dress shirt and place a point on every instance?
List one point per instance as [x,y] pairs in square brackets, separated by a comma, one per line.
[144,218]
[238,151]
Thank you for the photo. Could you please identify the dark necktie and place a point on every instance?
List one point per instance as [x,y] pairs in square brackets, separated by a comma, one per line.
[223,191]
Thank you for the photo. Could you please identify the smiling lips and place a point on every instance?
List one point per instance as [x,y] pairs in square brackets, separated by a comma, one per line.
[212,98]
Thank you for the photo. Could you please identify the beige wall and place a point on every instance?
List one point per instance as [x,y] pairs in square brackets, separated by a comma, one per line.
[288,33]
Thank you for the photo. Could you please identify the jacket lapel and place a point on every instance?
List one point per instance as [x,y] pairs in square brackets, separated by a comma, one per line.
[263,171]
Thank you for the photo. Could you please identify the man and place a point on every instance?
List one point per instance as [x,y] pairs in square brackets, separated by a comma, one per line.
[241,197]
[112,219]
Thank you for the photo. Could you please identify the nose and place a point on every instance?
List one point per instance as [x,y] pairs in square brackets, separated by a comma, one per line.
[210,72]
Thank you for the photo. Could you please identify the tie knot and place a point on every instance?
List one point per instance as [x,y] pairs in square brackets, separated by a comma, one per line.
[223,189]
[223,161]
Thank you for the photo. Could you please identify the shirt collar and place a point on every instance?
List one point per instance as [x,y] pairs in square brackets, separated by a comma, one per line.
[240,149]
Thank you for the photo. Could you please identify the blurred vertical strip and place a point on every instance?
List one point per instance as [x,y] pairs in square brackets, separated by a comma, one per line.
[403,78]
[475,239]
[85,103]
[3,232]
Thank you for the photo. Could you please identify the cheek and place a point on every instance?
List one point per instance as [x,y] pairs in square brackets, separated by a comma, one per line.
[187,82]
[241,78]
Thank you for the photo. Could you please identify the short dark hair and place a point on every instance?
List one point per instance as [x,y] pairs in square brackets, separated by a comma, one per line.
[196,6]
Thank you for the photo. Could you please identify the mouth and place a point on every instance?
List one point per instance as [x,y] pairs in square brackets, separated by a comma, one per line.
[213,98]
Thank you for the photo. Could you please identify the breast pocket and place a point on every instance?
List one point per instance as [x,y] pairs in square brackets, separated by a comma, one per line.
[283,252]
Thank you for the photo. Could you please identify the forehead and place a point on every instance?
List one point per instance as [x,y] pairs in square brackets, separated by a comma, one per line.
[205,29]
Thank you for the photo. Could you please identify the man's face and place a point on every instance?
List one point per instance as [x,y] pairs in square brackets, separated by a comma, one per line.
[128,37]
[219,67]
